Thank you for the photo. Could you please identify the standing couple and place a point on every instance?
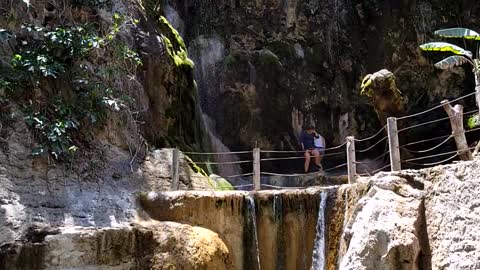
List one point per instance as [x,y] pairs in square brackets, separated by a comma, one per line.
[314,145]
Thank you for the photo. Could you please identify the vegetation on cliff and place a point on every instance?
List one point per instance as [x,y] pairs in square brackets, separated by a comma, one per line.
[73,74]
[60,79]
[461,56]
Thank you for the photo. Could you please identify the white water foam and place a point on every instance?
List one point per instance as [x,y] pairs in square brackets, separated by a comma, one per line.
[318,256]
[253,217]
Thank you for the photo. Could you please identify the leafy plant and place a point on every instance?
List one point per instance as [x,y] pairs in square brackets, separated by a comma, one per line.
[473,121]
[58,90]
[461,56]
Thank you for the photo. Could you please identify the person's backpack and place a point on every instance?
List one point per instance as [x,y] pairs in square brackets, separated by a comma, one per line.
[319,142]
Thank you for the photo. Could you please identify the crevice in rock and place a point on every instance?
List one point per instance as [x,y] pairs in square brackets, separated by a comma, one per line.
[425,256]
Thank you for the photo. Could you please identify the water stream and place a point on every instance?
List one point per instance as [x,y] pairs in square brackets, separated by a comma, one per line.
[318,257]
[253,218]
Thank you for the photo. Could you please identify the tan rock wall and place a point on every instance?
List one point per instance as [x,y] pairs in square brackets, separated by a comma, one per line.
[286,223]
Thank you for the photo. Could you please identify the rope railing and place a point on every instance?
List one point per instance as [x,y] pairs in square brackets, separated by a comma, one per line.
[433,163]
[290,174]
[373,146]
[429,149]
[224,162]
[436,155]
[243,186]
[281,187]
[373,136]
[300,157]
[238,175]
[369,166]
[374,159]
[217,153]
[434,108]
[424,124]
[471,112]
[375,171]
[302,151]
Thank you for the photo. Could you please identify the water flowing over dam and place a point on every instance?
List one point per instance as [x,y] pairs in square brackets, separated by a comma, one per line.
[318,257]
[263,230]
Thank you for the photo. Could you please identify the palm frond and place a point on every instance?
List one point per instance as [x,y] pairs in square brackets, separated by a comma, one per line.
[458,32]
[452,61]
[445,47]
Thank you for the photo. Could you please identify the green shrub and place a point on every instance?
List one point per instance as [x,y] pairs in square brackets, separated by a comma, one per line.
[72,94]
[473,121]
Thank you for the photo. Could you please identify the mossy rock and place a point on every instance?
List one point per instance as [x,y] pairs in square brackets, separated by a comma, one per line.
[268,58]
[221,183]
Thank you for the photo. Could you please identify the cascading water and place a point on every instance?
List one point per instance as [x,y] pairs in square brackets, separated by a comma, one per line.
[207,53]
[318,257]
[253,220]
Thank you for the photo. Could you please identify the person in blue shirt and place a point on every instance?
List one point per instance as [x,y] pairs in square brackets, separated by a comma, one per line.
[314,145]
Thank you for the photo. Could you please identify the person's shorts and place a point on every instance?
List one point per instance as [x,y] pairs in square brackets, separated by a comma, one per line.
[321,150]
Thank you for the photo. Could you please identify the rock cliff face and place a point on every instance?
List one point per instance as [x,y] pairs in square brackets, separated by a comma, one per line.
[264,68]
[96,186]
[416,220]
[404,220]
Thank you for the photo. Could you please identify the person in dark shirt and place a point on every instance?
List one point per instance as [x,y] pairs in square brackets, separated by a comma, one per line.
[307,140]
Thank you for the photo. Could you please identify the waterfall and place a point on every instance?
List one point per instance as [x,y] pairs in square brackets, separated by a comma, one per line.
[253,219]
[318,257]
[207,53]
[217,146]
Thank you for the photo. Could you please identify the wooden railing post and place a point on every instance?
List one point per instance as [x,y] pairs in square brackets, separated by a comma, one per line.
[175,182]
[351,165]
[256,169]
[456,121]
[393,144]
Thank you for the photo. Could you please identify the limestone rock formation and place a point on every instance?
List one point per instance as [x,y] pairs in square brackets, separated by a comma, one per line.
[423,219]
[158,246]
[452,215]
[386,227]
[95,186]
[97,190]
[381,89]
[261,64]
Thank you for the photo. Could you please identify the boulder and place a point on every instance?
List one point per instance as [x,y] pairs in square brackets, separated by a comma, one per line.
[452,211]
[153,245]
[385,230]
